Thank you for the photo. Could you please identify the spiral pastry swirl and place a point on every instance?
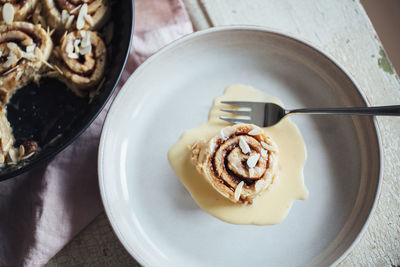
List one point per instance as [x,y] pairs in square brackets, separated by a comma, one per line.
[24,48]
[21,8]
[240,162]
[76,14]
[81,61]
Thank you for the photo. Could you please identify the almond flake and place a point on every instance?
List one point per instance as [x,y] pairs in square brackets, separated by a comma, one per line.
[75,9]
[80,22]
[70,19]
[37,52]
[12,46]
[251,172]
[264,153]
[11,60]
[28,156]
[30,48]
[10,70]
[238,190]
[64,16]
[70,48]
[8,13]
[13,155]
[255,131]
[21,150]
[58,69]
[243,145]
[27,42]
[73,55]
[89,19]
[86,40]
[76,45]
[252,160]
[30,56]
[267,147]
[48,64]
[85,50]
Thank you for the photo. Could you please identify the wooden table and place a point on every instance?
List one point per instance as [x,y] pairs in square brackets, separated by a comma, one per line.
[342,29]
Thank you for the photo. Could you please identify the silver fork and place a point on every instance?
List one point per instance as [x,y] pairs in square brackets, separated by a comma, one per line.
[267,114]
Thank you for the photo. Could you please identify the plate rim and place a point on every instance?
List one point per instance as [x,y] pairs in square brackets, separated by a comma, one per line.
[131,249]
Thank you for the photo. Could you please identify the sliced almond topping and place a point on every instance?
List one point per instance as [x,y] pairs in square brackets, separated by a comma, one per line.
[76,45]
[70,19]
[30,56]
[21,150]
[69,48]
[80,22]
[37,52]
[30,48]
[10,70]
[64,16]
[11,60]
[27,42]
[256,131]
[8,13]
[89,19]
[86,40]
[252,160]
[13,155]
[251,172]
[264,153]
[48,64]
[58,69]
[73,55]
[85,50]
[12,46]
[243,145]
[267,147]
[238,190]
[75,9]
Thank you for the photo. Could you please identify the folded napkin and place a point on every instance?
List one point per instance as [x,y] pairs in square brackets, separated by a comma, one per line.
[44,209]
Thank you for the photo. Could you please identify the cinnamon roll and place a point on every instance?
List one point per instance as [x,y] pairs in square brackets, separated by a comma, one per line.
[19,11]
[240,162]
[80,60]
[6,137]
[76,14]
[24,48]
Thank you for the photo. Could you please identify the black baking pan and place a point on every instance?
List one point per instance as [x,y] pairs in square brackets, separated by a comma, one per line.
[52,115]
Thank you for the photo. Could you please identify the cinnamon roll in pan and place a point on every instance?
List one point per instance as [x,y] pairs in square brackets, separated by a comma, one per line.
[21,8]
[81,61]
[240,162]
[46,110]
[24,49]
[76,14]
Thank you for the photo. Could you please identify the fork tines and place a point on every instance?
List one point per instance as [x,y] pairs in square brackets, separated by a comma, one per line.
[245,115]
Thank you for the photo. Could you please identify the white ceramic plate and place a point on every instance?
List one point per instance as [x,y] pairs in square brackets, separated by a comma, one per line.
[153,214]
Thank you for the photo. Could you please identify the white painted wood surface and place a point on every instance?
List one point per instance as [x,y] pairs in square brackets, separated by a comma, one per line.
[342,29]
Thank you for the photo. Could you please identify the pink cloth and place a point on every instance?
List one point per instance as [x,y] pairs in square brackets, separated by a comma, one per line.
[44,209]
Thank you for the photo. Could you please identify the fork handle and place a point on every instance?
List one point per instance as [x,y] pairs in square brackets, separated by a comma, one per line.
[380,110]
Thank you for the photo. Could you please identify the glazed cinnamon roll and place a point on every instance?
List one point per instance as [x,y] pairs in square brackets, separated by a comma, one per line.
[20,9]
[76,14]
[240,162]
[80,60]
[24,48]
